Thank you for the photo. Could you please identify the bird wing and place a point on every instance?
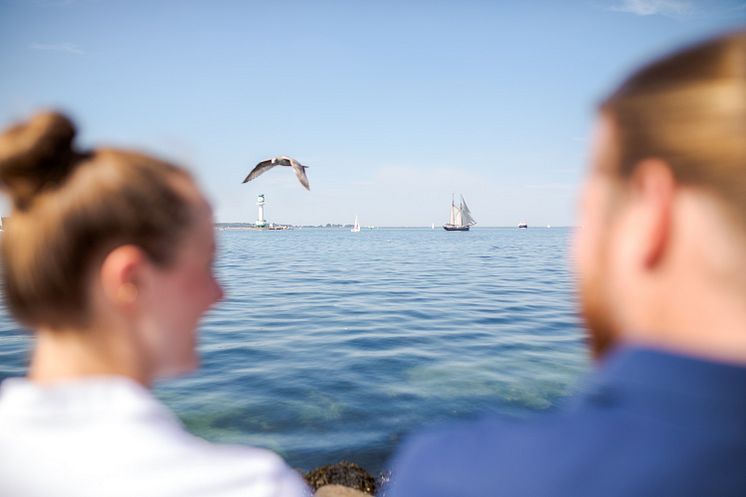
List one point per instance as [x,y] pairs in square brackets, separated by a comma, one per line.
[260,168]
[300,172]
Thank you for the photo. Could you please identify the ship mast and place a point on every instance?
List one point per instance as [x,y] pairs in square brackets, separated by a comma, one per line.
[452,219]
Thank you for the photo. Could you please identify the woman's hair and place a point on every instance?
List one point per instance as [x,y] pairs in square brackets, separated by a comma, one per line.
[689,110]
[70,208]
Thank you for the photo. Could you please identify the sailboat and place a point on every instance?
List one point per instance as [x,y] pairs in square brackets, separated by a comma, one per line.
[460,219]
[356,226]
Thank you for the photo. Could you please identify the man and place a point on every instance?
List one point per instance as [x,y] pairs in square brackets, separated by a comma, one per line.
[661,261]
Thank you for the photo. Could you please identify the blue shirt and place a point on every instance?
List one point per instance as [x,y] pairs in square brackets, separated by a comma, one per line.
[648,424]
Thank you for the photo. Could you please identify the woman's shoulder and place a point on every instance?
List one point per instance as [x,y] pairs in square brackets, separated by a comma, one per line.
[116,429]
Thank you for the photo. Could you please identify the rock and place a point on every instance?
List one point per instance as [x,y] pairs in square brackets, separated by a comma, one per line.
[339,491]
[343,473]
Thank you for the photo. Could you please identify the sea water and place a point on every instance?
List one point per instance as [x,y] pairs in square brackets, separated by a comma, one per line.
[334,345]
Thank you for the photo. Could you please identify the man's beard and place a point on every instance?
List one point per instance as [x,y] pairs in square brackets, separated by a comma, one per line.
[596,310]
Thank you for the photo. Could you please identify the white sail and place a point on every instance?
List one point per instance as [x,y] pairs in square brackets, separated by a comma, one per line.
[469,221]
[466,214]
[460,218]
[356,226]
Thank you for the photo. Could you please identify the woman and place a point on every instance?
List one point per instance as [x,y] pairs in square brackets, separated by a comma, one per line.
[108,257]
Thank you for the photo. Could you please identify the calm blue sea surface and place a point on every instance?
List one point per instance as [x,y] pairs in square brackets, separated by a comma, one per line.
[333,345]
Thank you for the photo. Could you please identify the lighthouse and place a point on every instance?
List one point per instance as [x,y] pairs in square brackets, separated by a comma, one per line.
[260,221]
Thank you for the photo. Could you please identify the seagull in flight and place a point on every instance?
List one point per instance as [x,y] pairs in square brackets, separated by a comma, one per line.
[281,160]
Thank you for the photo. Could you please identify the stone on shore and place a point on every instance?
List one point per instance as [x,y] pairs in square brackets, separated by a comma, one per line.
[339,491]
[345,474]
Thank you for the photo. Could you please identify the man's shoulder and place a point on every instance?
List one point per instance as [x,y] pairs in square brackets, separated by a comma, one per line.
[643,409]
[593,445]
[491,452]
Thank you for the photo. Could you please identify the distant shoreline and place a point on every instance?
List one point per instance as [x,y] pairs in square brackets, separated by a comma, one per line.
[348,226]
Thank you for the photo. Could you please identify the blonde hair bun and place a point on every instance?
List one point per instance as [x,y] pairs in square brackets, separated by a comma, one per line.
[35,155]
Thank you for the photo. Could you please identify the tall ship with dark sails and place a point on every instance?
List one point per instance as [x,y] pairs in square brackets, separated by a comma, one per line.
[460,219]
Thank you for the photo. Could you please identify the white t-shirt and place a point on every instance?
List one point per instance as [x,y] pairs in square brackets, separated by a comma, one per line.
[109,437]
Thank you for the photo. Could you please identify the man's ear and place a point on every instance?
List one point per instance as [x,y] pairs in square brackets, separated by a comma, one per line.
[120,275]
[653,189]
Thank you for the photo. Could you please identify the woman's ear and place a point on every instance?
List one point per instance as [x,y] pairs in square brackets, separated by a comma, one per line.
[120,275]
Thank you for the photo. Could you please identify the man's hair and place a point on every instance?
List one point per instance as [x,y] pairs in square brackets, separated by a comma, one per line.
[689,110]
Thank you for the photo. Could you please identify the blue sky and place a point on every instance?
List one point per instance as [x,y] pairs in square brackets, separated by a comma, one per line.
[393,104]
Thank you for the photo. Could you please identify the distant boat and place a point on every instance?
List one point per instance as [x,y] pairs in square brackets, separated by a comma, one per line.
[433,226]
[523,225]
[356,226]
[460,219]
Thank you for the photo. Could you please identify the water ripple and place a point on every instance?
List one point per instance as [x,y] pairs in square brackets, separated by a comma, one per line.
[332,345]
